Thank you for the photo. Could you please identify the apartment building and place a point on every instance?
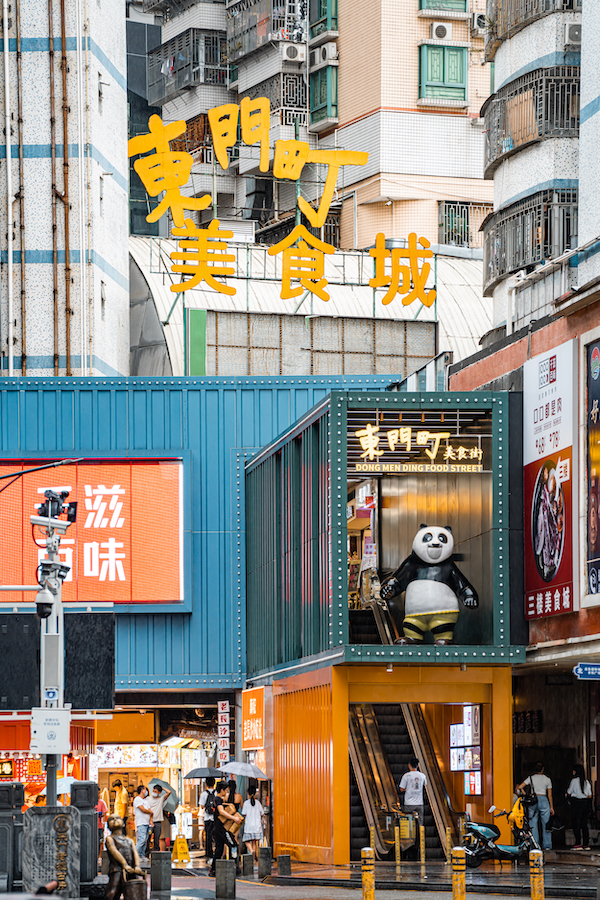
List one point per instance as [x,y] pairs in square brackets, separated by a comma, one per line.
[404,82]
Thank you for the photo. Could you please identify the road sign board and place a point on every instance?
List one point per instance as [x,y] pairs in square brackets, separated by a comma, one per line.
[587,671]
[50,731]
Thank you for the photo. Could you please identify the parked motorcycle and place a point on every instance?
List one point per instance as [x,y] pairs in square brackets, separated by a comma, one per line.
[480,837]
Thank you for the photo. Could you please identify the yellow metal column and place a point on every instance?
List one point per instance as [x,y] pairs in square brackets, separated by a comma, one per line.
[459,867]
[341,765]
[502,750]
[368,873]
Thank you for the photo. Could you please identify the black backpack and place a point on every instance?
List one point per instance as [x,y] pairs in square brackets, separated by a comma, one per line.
[211,803]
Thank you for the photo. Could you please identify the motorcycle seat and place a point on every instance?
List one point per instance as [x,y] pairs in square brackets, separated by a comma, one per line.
[489,825]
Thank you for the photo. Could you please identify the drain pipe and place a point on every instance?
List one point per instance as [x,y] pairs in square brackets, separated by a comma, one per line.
[21,193]
[55,193]
[65,194]
[9,189]
[81,181]
[89,188]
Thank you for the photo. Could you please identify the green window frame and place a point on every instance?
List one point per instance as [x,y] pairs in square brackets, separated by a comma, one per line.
[322,16]
[443,73]
[323,94]
[460,5]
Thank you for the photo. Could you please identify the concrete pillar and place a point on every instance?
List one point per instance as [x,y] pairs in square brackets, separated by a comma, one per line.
[247,864]
[225,879]
[160,870]
[284,865]
[264,861]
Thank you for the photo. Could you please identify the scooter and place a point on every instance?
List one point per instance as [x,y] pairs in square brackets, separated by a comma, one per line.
[480,838]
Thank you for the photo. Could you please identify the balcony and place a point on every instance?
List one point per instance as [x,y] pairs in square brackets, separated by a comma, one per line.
[528,232]
[507,17]
[460,223]
[252,24]
[193,57]
[541,104]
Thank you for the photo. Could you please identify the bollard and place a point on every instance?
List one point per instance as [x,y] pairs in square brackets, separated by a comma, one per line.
[160,870]
[459,867]
[422,841]
[448,845]
[264,862]
[225,879]
[367,855]
[397,848]
[284,865]
[247,864]
[372,838]
[536,874]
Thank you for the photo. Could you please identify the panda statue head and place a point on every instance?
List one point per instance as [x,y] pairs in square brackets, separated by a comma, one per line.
[433,543]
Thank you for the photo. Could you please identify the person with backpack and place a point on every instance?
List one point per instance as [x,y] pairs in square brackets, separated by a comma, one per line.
[579,794]
[208,802]
[540,812]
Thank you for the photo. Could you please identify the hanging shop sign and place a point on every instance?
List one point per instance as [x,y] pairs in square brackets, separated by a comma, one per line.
[549,410]
[127,543]
[202,253]
[253,706]
[593,466]
[223,724]
[587,671]
[139,756]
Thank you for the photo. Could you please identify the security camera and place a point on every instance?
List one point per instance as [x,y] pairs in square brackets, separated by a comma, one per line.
[59,525]
[44,601]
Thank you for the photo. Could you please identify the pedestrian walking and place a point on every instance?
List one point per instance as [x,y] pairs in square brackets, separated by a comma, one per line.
[540,812]
[579,794]
[411,788]
[102,810]
[143,820]
[160,827]
[233,796]
[224,817]
[121,799]
[208,802]
[253,813]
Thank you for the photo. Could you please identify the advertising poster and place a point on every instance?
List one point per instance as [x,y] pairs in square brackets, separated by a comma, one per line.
[548,432]
[593,466]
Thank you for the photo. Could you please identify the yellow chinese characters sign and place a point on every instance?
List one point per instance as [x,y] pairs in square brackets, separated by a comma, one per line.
[203,255]
[253,719]
[378,450]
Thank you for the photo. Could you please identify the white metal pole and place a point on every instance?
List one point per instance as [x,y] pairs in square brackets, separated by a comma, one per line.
[9,190]
[79,37]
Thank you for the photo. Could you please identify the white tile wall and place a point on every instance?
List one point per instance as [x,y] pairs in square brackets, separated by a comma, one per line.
[208,16]
[534,44]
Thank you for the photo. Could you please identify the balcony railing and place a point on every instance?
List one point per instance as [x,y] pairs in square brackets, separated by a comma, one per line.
[541,104]
[541,227]
[193,57]
[506,17]
[460,223]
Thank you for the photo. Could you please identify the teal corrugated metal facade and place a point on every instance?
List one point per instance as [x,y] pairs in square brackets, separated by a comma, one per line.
[215,425]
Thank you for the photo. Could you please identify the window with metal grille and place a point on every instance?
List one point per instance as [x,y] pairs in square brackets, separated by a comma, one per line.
[541,104]
[459,223]
[322,16]
[444,4]
[509,16]
[196,140]
[193,57]
[524,234]
[323,94]
[443,73]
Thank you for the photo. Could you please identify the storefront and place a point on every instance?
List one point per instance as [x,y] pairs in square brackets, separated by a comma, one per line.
[342,499]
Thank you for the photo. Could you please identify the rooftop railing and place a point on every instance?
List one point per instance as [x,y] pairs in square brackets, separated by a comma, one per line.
[506,17]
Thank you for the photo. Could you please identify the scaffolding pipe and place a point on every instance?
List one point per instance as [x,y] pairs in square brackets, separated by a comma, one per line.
[55,193]
[81,180]
[9,190]
[65,194]
[89,188]
[21,193]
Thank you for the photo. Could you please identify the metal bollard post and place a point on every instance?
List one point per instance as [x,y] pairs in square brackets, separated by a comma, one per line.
[372,838]
[448,845]
[397,848]
[367,855]
[536,874]
[459,866]
[422,841]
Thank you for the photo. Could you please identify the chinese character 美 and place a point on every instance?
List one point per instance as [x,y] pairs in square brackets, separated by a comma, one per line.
[548,603]
[400,436]
[98,500]
[165,170]
[369,441]
[404,279]
[449,452]
[304,263]
[203,256]
[594,412]
[539,604]
[255,117]
[423,438]
[112,562]
[566,598]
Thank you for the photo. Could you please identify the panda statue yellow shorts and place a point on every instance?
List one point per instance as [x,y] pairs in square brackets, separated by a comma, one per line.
[434,585]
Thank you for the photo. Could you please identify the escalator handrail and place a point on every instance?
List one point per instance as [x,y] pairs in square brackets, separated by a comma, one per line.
[434,763]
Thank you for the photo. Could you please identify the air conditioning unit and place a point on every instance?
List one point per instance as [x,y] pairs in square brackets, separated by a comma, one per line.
[325,55]
[441,31]
[573,33]
[478,23]
[293,52]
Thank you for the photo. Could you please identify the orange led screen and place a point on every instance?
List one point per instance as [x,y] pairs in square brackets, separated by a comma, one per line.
[127,543]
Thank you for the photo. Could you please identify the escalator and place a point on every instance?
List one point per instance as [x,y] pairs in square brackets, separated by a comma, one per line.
[383,738]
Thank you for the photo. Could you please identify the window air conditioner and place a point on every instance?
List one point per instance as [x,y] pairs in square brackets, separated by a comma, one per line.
[293,52]
[325,55]
[441,31]
[573,33]
[478,23]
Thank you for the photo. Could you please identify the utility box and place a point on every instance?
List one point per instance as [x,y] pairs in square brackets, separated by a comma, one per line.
[84,796]
[12,797]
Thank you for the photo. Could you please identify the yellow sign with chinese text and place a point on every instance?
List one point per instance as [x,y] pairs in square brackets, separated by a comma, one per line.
[372,449]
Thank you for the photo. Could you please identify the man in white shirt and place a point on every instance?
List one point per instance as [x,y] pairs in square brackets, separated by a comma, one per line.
[143,820]
[411,787]
[156,802]
[543,809]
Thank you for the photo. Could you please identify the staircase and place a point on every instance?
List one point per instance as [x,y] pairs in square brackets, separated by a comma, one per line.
[359,830]
[363,629]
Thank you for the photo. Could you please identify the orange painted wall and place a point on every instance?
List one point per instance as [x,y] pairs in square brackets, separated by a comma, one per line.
[127,728]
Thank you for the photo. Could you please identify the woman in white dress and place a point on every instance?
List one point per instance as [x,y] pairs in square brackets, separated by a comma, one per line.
[253,822]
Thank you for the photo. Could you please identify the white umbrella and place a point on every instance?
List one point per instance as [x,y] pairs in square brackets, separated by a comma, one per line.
[242,768]
[63,785]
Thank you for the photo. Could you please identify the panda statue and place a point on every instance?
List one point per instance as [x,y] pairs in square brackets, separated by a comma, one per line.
[433,585]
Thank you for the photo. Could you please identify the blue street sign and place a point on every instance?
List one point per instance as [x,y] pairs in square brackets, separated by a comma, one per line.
[587,671]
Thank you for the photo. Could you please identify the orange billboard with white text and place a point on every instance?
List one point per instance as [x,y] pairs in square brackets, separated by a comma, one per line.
[126,545]
[253,717]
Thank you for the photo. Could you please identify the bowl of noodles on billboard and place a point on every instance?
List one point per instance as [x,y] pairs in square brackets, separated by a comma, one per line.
[548,521]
